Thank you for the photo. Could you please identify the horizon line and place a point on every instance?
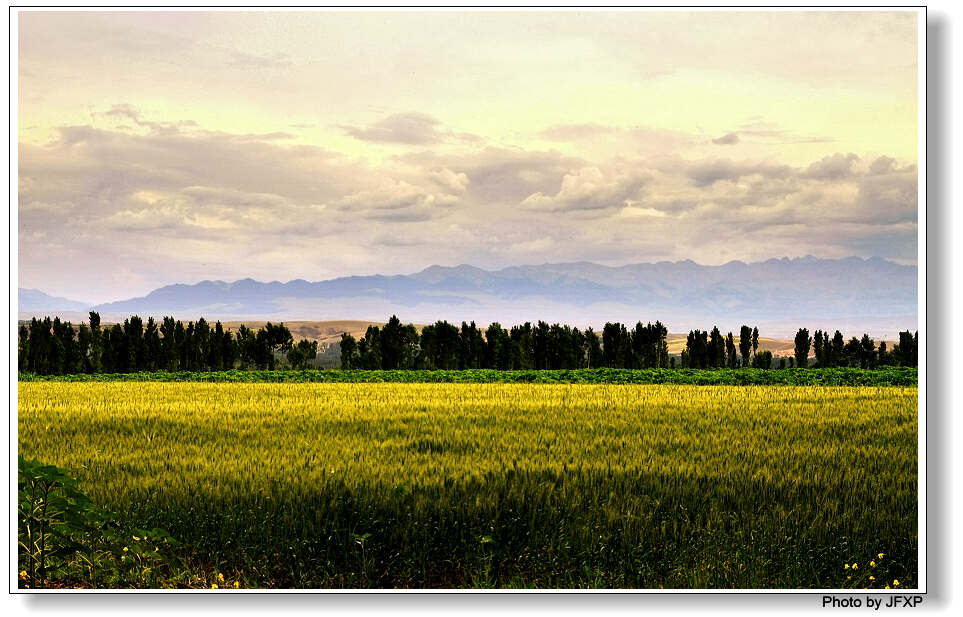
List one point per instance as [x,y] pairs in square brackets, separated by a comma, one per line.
[784,258]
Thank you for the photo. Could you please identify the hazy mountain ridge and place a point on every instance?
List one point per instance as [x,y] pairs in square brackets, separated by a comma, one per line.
[36,300]
[792,290]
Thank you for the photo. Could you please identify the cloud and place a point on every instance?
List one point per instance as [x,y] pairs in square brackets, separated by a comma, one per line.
[591,189]
[249,137]
[129,112]
[501,175]
[398,201]
[835,167]
[704,173]
[533,246]
[449,180]
[760,128]
[770,132]
[233,205]
[84,160]
[168,217]
[196,202]
[888,198]
[727,140]
[635,211]
[882,165]
[411,128]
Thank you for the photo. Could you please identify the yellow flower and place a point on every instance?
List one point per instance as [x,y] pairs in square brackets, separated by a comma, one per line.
[855,566]
[23,574]
[847,566]
[895,582]
[125,549]
[872,578]
[220,577]
[880,556]
[887,587]
[236,584]
[213,585]
[872,564]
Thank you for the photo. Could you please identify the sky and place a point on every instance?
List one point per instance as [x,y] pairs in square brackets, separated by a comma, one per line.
[166,147]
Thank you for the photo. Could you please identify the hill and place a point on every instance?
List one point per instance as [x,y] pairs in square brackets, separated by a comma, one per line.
[778,295]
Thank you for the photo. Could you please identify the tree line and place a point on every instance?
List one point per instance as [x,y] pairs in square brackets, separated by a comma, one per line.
[712,350]
[55,347]
[443,345]
[52,347]
[857,352]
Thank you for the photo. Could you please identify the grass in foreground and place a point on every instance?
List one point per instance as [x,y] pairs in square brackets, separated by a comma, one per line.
[497,485]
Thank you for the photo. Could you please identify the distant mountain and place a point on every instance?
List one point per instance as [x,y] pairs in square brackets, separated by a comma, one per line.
[34,300]
[789,292]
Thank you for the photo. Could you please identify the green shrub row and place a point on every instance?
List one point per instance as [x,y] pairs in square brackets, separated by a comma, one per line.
[887,376]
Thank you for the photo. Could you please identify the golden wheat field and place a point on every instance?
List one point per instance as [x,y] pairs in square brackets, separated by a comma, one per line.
[451,485]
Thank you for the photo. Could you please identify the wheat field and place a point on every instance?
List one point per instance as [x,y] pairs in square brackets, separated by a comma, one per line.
[498,485]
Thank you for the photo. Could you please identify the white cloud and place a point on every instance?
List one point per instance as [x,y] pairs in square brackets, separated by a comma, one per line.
[591,189]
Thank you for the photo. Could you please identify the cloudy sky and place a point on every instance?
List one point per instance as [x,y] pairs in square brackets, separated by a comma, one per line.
[176,147]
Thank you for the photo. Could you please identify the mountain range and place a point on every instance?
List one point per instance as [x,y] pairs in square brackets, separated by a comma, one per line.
[872,295]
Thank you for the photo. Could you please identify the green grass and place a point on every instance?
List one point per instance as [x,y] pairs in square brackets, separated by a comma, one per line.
[887,376]
[498,485]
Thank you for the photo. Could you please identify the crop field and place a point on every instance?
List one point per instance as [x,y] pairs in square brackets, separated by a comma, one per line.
[499,484]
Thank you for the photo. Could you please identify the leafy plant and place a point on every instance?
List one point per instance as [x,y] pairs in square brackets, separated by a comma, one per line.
[64,537]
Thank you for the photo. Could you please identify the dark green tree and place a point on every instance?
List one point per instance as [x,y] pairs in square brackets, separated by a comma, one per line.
[905,353]
[202,345]
[301,353]
[118,349]
[440,346]
[696,353]
[23,348]
[837,356]
[717,349]
[83,347]
[229,350]
[349,352]
[802,343]
[732,358]
[745,344]
[818,350]
[96,341]
[498,347]
[246,346]
[867,356]
[616,346]
[152,346]
[369,349]
[763,359]
[278,340]
[884,356]
[169,353]
[471,346]
[593,349]
[852,353]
